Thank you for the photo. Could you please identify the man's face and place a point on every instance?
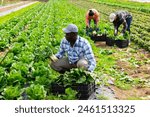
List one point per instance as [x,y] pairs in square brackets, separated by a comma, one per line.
[71,37]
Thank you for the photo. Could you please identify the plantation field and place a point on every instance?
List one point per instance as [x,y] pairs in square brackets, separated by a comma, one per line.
[140,24]
[29,39]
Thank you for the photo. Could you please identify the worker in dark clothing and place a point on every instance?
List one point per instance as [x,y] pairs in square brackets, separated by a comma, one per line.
[121,17]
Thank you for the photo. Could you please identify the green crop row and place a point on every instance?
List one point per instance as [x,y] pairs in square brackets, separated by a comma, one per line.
[17,13]
[13,28]
[32,43]
[25,72]
[139,24]
[144,7]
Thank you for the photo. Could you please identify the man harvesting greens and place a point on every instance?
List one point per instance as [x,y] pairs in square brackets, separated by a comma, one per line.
[121,17]
[92,14]
[78,50]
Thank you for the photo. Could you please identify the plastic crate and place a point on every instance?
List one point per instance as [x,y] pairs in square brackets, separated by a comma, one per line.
[84,90]
[110,42]
[98,37]
[122,43]
[58,89]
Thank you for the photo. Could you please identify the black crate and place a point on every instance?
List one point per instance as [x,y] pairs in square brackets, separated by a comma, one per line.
[58,89]
[84,90]
[98,37]
[110,42]
[122,43]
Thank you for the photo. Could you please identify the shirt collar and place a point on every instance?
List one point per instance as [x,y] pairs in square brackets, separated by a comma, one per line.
[77,41]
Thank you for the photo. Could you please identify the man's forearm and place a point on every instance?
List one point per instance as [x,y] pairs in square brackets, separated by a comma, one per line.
[59,55]
[124,27]
[92,67]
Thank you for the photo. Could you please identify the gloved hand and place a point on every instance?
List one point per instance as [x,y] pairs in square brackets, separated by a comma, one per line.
[116,32]
[121,34]
[94,32]
[53,58]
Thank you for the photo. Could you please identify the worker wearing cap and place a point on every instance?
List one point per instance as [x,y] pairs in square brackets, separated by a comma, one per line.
[92,14]
[79,52]
[121,17]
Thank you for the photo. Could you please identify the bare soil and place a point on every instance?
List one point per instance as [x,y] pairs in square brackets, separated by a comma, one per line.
[139,70]
[134,93]
[8,7]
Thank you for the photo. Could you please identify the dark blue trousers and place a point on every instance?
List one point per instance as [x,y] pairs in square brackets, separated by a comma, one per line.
[129,20]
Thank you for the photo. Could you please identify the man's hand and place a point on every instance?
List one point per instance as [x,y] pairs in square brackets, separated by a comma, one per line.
[54,58]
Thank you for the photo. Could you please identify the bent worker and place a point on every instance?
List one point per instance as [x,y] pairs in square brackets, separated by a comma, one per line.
[78,49]
[121,17]
[92,14]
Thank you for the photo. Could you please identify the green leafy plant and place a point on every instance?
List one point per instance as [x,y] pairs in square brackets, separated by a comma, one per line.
[15,77]
[8,60]
[77,76]
[43,81]
[40,69]
[23,67]
[12,93]
[3,81]
[106,52]
[25,57]
[111,34]
[36,92]
[70,94]
[123,36]
[16,48]
[120,37]
[3,44]
[102,97]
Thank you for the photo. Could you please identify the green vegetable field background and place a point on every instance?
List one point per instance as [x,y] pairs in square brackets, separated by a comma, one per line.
[31,35]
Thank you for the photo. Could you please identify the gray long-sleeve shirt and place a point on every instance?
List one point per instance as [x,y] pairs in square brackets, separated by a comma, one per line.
[121,17]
